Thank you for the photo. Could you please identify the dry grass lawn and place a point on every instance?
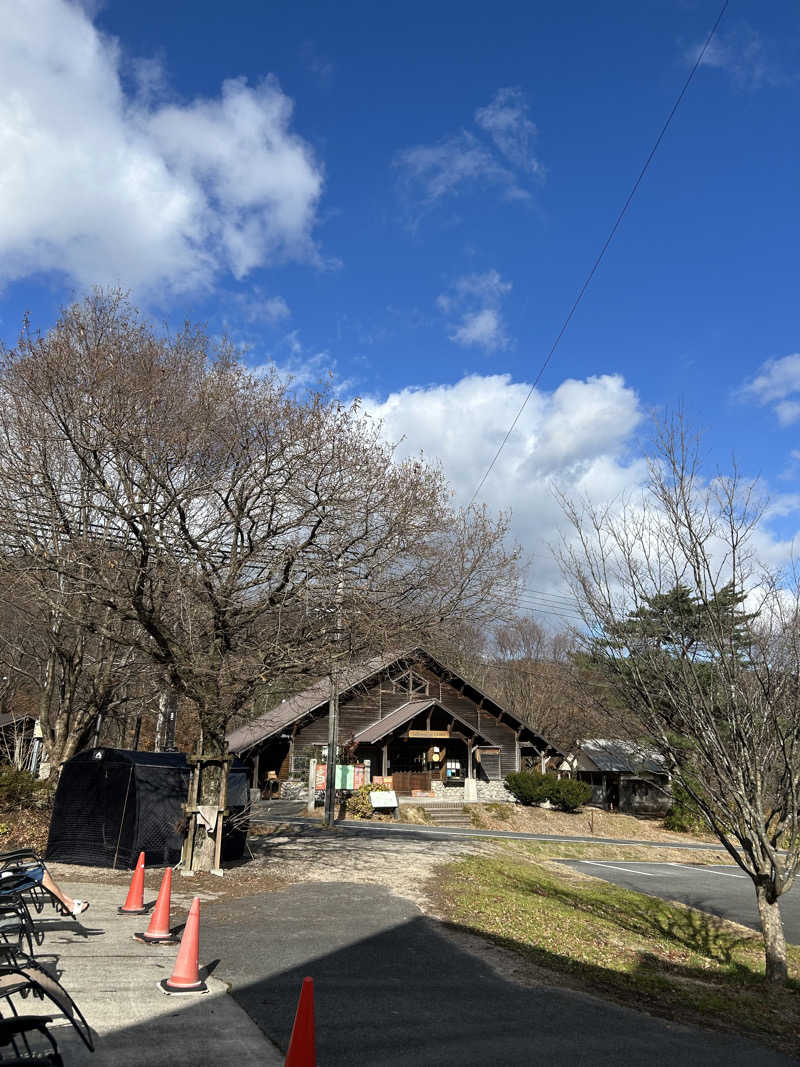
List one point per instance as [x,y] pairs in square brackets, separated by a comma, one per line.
[591,822]
[663,958]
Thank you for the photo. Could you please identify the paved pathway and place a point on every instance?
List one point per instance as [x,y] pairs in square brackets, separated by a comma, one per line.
[392,989]
[723,891]
[114,981]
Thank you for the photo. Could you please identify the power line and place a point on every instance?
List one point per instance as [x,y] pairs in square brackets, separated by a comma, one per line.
[603,250]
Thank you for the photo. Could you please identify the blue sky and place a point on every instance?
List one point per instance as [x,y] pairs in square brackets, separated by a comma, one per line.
[410,196]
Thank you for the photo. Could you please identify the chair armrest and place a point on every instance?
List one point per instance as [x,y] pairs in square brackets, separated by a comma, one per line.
[22,1024]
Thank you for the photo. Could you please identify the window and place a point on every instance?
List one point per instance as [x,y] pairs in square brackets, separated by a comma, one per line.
[301,755]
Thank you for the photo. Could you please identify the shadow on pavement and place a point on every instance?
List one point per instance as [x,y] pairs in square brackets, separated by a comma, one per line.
[395,988]
[407,993]
[409,996]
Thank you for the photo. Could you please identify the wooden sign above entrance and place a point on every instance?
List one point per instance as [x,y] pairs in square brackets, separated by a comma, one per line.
[429,733]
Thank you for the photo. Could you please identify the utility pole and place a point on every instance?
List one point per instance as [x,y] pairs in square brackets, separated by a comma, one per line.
[333,712]
[333,739]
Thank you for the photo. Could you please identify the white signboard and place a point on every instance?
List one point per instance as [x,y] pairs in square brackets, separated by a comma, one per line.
[386,799]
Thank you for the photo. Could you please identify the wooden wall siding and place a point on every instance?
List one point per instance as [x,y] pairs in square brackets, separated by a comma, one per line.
[490,765]
[369,703]
[508,762]
[354,716]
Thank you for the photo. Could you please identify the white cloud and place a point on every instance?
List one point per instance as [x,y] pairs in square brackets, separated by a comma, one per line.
[745,55]
[577,437]
[776,382]
[473,306]
[441,169]
[581,438]
[305,367]
[256,306]
[506,121]
[106,186]
[482,328]
[275,308]
[505,161]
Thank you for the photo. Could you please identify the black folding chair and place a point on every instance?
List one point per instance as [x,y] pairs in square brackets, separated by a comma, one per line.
[22,977]
[19,863]
[17,1049]
[16,926]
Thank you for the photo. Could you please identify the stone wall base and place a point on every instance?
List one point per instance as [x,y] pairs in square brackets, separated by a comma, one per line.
[293,790]
[487,792]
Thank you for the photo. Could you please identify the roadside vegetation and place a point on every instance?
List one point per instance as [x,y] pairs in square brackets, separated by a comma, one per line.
[25,807]
[530,787]
[693,632]
[671,960]
[590,822]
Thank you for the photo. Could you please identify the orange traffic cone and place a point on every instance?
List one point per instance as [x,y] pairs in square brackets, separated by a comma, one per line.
[134,904]
[186,976]
[302,1052]
[158,932]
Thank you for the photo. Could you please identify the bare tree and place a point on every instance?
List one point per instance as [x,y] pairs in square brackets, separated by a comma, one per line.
[232,530]
[56,651]
[702,643]
[531,675]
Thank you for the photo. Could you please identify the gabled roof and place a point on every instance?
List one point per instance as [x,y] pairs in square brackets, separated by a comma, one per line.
[10,718]
[314,699]
[378,730]
[618,756]
[301,704]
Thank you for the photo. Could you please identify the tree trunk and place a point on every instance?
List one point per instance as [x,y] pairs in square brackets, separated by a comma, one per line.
[202,838]
[772,929]
[167,715]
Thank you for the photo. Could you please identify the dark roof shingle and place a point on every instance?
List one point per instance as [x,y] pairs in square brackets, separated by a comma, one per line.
[621,757]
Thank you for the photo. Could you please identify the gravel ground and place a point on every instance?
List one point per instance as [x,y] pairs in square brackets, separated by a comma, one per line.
[285,854]
[403,865]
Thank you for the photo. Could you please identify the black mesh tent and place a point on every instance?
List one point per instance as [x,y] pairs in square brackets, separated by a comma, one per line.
[111,804]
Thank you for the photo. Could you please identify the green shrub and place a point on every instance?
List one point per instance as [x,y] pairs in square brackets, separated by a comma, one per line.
[358,803]
[21,789]
[683,816]
[530,787]
[568,793]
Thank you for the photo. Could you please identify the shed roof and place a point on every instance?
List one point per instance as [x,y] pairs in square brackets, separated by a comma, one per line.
[10,718]
[376,731]
[617,756]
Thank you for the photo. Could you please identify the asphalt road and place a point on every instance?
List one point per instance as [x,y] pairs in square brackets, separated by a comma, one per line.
[723,891]
[393,989]
[283,812]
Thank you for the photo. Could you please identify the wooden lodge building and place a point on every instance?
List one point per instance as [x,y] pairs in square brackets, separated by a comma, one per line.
[408,716]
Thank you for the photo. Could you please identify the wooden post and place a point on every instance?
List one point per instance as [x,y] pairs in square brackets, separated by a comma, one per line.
[385,759]
[256,761]
[312,778]
[223,803]
[188,844]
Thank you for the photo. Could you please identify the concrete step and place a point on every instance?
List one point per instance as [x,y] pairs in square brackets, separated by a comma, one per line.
[448,817]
